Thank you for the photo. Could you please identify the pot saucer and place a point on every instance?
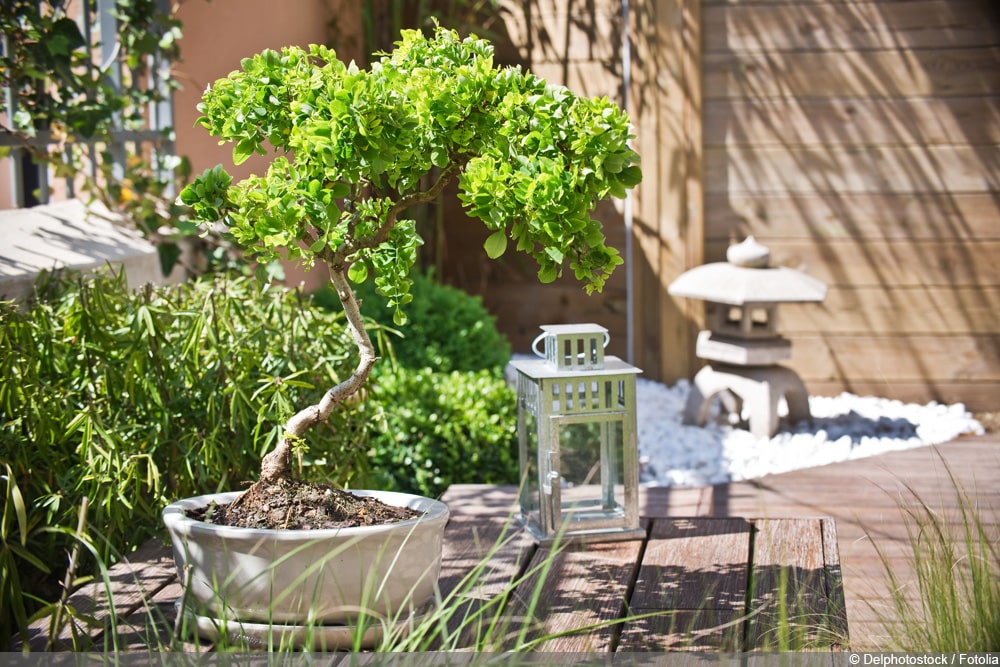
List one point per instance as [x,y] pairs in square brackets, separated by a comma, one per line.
[262,636]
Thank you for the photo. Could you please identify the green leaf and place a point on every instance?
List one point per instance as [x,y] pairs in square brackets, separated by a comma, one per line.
[630,176]
[548,274]
[23,553]
[439,158]
[243,150]
[496,244]
[340,190]
[358,273]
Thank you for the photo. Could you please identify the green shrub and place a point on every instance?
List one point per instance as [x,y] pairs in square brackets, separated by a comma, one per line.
[444,428]
[447,329]
[450,417]
[136,399]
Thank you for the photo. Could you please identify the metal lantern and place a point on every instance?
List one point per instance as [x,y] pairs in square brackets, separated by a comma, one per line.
[577,435]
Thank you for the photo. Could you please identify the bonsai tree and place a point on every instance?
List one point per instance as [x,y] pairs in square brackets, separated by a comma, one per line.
[353,150]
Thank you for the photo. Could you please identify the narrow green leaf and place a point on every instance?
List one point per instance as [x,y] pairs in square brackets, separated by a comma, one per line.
[19,508]
[24,554]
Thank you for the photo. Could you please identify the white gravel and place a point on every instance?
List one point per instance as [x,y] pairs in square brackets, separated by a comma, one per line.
[843,427]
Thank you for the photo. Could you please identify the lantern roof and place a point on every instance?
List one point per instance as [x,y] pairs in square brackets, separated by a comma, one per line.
[745,278]
[540,369]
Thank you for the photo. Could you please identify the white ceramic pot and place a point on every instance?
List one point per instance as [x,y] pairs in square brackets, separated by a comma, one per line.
[316,577]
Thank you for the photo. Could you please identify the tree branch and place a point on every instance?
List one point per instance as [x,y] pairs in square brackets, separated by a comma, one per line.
[278,462]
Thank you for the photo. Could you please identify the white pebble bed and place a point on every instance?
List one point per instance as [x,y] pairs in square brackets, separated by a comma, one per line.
[843,427]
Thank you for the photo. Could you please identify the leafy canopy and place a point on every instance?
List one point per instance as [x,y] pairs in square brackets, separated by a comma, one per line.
[355,149]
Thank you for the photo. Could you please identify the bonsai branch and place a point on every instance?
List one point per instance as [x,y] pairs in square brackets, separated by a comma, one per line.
[392,215]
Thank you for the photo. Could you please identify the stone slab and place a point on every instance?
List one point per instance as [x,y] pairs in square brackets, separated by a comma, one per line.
[69,234]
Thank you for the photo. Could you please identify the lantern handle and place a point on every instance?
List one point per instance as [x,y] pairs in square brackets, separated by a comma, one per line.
[541,336]
[534,345]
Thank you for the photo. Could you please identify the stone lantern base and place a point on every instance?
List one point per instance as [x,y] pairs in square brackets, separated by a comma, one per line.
[758,388]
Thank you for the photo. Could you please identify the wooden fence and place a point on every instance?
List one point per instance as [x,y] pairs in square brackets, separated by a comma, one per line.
[859,140]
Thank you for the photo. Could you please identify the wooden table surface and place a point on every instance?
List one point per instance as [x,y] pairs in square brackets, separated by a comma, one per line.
[699,583]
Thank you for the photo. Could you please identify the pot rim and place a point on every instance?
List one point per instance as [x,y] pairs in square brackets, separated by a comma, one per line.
[175,517]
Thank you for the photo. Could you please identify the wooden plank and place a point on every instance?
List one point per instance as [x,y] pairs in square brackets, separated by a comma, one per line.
[833,580]
[573,588]
[665,103]
[136,578]
[926,216]
[564,31]
[842,168]
[708,630]
[974,462]
[852,26]
[694,564]
[858,262]
[890,310]
[787,594]
[153,626]
[482,565]
[485,553]
[832,74]
[890,359]
[668,501]
[694,571]
[789,121]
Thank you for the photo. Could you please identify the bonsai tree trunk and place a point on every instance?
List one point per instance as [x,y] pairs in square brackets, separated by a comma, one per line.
[278,463]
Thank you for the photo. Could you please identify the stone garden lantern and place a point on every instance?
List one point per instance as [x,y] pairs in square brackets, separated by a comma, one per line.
[742,344]
[577,437]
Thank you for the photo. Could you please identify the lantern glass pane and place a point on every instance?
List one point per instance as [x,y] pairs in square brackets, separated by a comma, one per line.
[528,439]
[590,467]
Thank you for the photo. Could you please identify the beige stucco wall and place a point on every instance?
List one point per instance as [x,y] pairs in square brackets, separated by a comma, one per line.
[217,35]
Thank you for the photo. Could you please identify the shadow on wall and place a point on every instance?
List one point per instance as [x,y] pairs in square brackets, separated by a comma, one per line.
[860,143]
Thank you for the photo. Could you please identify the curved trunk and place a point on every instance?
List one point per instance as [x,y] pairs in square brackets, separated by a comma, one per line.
[278,462]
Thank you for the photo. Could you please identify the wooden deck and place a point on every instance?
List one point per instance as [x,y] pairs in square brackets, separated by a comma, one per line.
[697,583]
[813,527]
[694,583]
[864,497]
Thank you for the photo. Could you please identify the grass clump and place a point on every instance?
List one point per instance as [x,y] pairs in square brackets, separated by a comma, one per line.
[953,603]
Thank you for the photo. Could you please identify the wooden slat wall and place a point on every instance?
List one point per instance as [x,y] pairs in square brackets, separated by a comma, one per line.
[668,228]
[860,141]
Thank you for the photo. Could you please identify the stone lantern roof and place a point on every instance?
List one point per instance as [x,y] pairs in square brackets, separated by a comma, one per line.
[741,343]
[746,279]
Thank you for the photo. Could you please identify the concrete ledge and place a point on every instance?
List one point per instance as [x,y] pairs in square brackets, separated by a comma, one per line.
[69,234]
